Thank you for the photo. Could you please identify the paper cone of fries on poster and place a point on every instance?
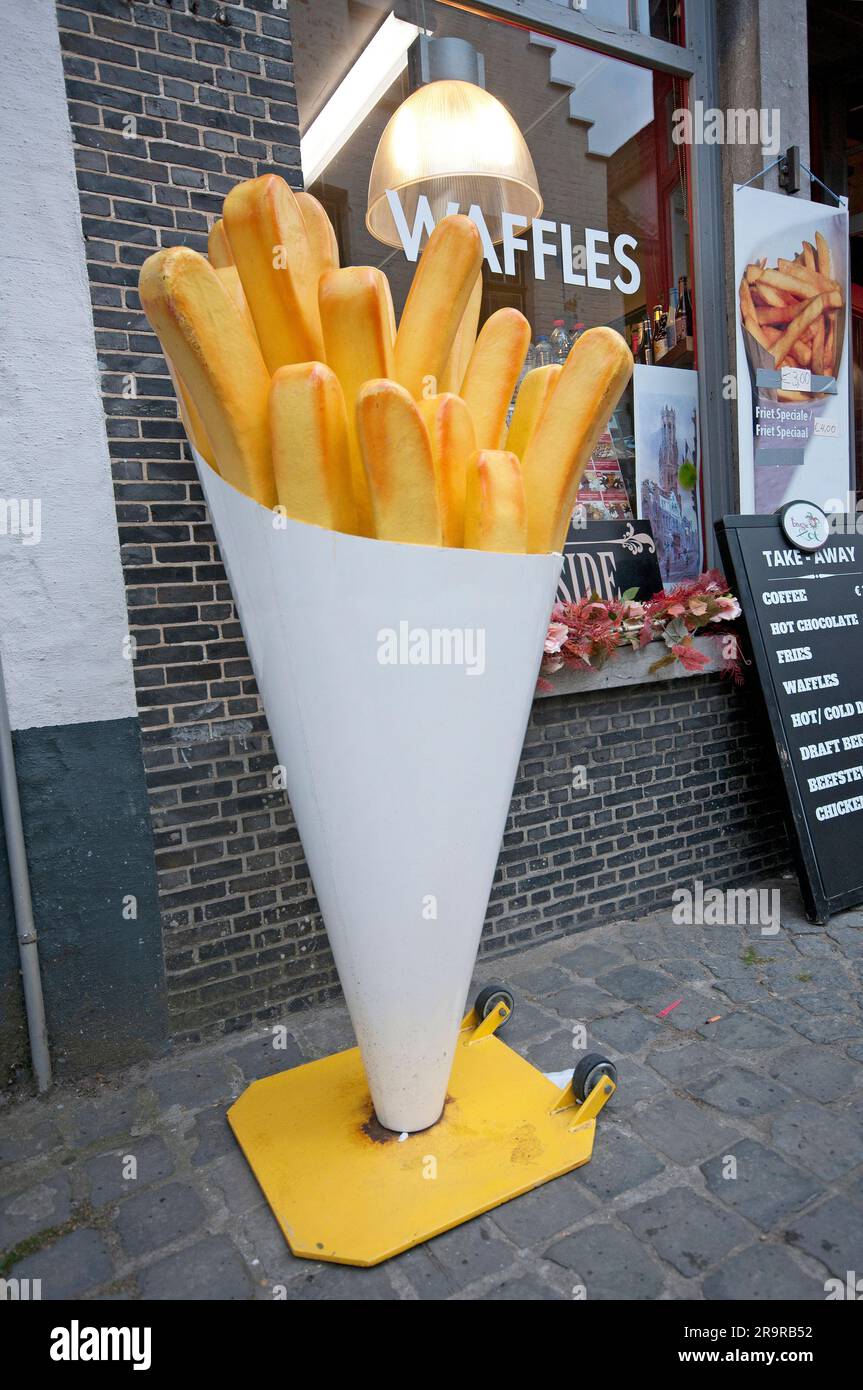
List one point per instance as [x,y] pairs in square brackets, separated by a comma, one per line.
[791,274]
[394,566]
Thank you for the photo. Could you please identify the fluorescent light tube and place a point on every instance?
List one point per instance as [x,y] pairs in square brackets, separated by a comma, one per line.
[383,59]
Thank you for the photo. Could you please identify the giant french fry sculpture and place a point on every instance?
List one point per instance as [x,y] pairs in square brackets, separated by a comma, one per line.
[346,483]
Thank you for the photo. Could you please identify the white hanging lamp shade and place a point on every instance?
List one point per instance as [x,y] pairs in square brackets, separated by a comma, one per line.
[454,143]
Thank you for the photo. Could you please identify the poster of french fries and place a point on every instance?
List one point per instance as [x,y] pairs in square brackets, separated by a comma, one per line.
[791,277]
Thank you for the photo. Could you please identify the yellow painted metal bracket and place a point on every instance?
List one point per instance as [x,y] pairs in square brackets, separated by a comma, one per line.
[587,1109]
[493,1020]
[599,1096]
[565,1099]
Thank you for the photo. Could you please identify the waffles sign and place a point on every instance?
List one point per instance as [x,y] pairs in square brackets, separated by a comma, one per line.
[594,261]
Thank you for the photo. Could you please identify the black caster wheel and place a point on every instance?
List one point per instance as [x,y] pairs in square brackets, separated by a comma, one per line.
[590,1069]
[489,997]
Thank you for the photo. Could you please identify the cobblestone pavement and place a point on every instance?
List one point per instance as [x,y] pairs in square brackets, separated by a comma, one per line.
[759,1063]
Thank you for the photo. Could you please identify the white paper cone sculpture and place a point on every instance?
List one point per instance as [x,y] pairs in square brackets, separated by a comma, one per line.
[397,681]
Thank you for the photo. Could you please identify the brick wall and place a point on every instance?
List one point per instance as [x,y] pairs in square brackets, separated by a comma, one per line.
[677,787]
[670,767]
[171,103]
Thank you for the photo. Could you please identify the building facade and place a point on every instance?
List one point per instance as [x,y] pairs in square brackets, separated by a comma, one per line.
[171,893]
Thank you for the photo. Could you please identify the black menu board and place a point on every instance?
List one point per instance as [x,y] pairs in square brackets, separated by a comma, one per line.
[804,616]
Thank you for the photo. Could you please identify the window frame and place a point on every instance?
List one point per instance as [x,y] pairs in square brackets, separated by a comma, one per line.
[698,64]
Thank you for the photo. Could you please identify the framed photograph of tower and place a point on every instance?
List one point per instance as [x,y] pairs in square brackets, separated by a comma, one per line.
[667,467]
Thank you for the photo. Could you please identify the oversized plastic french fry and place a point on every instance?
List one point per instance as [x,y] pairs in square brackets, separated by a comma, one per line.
[438,297]
[397,455]
[322,236]
[355,316]
[492,373]
[451,432]
[589,387]
[495,513]
[218,246]
[533,394]
[230,278]
[273,253]
[196,432]
[464,341]
[391,311]
[219,360]
[311,458]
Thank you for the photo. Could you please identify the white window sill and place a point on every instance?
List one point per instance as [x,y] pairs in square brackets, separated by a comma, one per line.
[630,668]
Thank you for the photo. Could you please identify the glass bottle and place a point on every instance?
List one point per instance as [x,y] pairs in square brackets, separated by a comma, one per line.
[686,302]
[660,347]
[670,324]
[680,316]
[544,355]
[577,330]
[646,342]
[559,341]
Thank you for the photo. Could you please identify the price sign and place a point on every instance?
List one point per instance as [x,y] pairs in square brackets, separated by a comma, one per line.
[796,379]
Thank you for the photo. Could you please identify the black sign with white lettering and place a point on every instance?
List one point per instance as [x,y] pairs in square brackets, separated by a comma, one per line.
[609,558]
[804,615]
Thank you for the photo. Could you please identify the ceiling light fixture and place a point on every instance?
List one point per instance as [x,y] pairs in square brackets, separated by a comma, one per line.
[452,143]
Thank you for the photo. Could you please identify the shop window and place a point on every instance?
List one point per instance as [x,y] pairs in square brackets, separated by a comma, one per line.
[613,243]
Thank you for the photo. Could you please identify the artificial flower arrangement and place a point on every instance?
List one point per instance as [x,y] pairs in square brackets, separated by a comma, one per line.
[592,630]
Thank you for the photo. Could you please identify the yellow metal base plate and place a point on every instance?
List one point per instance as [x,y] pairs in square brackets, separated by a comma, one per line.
[344,1189]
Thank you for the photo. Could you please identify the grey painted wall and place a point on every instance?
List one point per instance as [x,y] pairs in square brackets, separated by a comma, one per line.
[63,616]
[90,854]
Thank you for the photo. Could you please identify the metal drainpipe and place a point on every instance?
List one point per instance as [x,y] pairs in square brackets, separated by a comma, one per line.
[34,1002]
